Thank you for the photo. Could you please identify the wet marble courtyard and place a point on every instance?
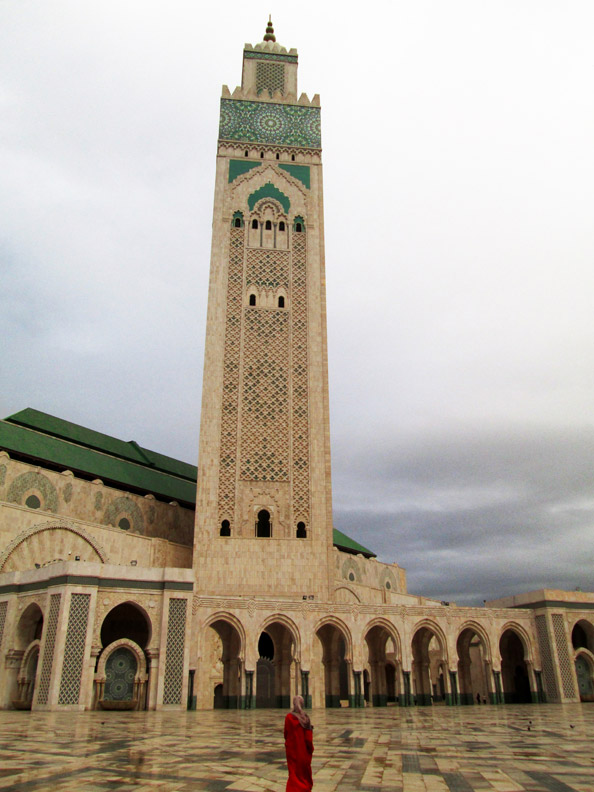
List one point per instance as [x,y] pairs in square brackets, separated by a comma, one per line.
[544,748]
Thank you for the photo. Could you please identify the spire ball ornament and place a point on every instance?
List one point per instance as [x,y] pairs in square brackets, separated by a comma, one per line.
[269,35]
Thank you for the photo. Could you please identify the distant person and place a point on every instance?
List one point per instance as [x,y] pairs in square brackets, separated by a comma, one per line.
[478,698]
[299,748]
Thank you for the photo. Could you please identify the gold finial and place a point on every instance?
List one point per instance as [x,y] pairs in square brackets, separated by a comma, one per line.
[269,35]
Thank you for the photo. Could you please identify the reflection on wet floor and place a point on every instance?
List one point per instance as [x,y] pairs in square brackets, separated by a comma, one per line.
[545,748]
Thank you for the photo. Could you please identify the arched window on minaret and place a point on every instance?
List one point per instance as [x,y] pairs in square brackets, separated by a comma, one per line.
[225,528]
[301,531]
[263,524]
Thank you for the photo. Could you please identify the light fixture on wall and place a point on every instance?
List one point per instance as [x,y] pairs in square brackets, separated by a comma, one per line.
[77,558]
[133,563]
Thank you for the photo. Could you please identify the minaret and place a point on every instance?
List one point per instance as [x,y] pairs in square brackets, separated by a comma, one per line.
[264,507]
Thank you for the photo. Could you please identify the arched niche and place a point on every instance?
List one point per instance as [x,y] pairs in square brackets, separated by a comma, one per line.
[126,621]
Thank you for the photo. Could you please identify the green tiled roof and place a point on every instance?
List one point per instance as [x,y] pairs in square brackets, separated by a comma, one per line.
[344,542]
[44,437]
[48,439]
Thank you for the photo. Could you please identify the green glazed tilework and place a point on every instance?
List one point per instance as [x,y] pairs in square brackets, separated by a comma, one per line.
[300,172]
[264,122]
[268,190]
[271,56]
[239,167]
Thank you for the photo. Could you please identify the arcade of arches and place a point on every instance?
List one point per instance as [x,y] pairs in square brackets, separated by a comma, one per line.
[273,663]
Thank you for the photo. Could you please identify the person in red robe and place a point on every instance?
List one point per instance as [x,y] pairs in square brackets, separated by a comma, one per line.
[299,748]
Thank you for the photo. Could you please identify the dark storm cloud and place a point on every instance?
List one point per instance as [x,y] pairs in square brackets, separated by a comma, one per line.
[477,517]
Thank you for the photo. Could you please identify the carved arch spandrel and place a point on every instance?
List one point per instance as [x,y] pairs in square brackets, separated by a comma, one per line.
[48,542]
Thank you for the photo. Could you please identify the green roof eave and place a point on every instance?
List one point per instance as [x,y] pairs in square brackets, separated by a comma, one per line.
[82,459]
[80,435]
[348,545]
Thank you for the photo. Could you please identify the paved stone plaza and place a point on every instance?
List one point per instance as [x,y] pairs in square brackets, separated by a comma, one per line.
[546,748]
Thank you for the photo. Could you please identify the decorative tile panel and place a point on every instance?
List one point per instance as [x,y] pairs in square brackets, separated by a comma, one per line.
[174,661]
[48,652]
[547,659]
[120,673]
[563,656]
[74,649]
[267,122]
[269,56]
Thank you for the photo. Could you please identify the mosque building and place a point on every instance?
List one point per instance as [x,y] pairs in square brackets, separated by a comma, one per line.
[130,580]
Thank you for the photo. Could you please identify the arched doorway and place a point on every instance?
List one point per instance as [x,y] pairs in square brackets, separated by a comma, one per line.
[582,639]
[276,670]
[21,676]
[473,668]
[514,670]
[221,670]
[123,669]
[382,657]
[336,665]
[428,667]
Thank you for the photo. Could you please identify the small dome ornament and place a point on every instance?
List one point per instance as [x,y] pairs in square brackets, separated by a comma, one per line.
[269,35]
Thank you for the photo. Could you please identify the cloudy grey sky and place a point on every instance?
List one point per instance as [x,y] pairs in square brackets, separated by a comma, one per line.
[459,204]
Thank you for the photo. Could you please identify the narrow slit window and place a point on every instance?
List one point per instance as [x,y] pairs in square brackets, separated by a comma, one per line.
[281,302]
[247,154]
[252,299]
[237,222]
[225,528]
[292,158]
[281,226]
[268,225]
[261,155]
[301,531]
[254,224]
[298,228]
[278,156]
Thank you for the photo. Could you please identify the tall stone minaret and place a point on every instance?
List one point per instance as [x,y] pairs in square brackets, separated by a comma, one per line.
[264,507]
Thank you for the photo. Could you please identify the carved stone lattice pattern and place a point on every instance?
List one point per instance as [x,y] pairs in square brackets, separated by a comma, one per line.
[265,396]
[300,406]
[563,656]
[350,571]
[547,660]
[48,652]
[124,507]
[267,122]
[74,649]
[174,662]
[227,462]
[267,269]
[33,481]
[3,608]
[270,77]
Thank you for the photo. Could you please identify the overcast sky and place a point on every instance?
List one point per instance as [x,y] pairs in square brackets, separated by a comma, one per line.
[459,206]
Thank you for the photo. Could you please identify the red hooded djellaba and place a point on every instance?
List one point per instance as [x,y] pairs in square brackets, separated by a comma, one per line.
[299,748]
